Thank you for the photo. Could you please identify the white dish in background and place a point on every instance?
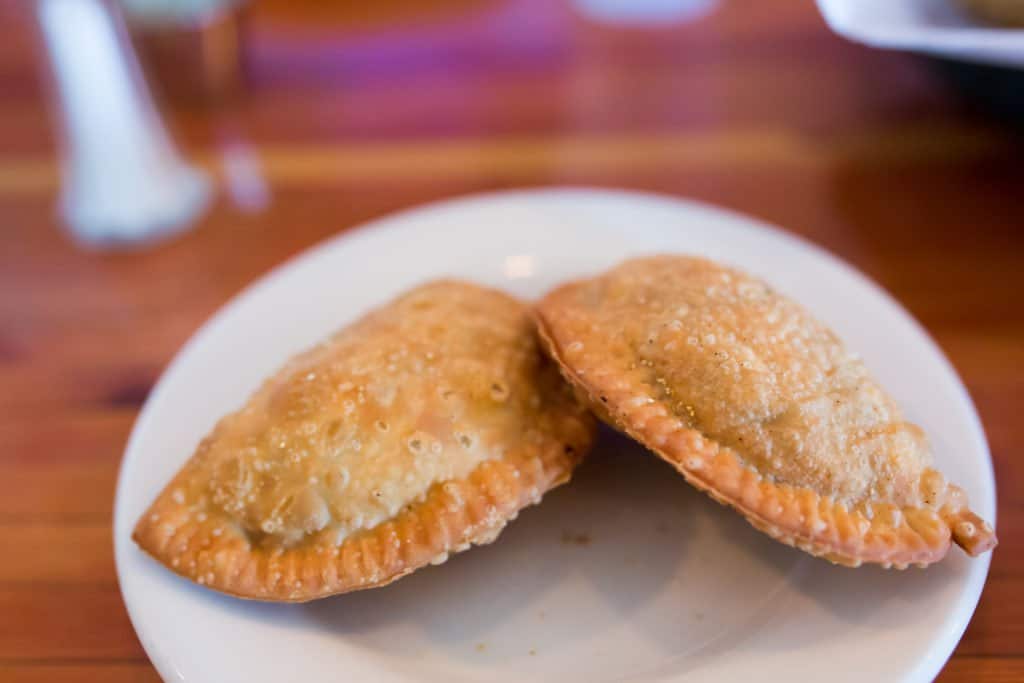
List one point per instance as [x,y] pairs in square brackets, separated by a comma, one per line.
[627,572]
[935,27]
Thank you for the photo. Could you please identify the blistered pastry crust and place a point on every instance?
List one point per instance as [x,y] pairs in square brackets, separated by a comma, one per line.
[317,486]
[455,515]
[872,530]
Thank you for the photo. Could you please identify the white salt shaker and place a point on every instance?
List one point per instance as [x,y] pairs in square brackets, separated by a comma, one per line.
[123,181]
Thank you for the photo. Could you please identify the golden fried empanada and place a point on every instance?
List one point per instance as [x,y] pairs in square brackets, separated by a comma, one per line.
[418,430]
[761,406]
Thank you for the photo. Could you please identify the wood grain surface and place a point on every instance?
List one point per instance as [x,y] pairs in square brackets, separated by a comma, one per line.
[355,112]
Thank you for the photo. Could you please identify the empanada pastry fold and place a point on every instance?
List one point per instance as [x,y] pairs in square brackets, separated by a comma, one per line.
[415,432]
[651,345]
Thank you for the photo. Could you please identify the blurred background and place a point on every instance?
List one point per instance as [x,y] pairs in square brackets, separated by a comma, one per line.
[158,156]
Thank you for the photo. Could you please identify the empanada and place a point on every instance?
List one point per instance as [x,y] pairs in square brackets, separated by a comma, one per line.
[761,406]
[413,433]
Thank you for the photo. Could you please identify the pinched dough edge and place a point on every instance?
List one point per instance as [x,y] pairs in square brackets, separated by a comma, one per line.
[874,532]
[453,516]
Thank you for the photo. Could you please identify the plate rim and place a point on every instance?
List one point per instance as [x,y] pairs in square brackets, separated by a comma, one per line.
[997,45]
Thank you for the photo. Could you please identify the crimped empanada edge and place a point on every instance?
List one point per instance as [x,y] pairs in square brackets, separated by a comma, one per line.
[453,516]
[878,533]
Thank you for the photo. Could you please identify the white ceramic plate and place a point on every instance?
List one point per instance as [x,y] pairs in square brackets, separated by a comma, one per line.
[627,573]
[935,27]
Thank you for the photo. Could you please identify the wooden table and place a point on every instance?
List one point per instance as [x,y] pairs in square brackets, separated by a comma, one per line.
[356,113]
